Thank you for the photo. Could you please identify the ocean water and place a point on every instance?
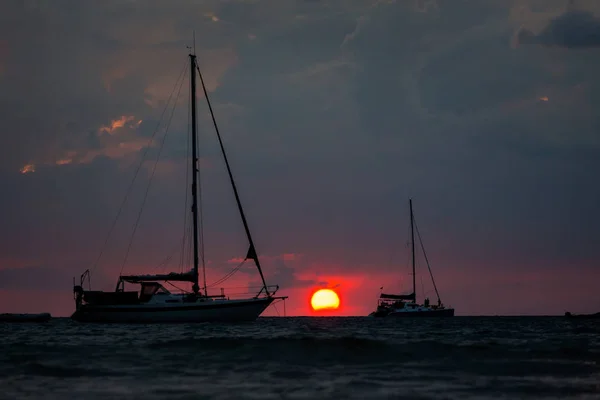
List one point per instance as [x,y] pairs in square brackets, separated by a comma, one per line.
[304,358]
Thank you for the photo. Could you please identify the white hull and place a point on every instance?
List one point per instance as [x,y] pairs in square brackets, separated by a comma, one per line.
[208,311]
[422,312]
[416,312]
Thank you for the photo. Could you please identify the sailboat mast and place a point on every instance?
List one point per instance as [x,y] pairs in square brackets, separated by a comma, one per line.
[195,286]
[412,242]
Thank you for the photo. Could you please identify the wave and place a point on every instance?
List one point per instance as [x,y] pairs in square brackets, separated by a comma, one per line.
[366,350]
[54,370]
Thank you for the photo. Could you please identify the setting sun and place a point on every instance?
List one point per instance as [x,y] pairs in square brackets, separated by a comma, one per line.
[325,299]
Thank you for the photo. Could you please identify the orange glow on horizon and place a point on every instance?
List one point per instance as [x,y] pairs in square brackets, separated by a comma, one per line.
[325,299]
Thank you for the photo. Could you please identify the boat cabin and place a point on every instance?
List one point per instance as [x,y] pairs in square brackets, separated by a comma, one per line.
[150,289]
[147,292]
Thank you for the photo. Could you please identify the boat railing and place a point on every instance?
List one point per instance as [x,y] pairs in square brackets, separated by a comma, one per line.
[86,274]
[233,293]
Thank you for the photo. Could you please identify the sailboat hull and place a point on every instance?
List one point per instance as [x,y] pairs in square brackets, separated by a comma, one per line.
[446,312]
[213,311]
[427,313]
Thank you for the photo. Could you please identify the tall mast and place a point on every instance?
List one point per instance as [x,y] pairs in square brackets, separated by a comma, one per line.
[412,243]
[195,286]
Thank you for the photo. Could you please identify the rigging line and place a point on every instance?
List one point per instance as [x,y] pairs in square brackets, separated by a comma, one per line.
[252,249]
[186,239]
[228,275]
[275,307]
[183,254]
[164,263]
[426,260]
[244,288]
[186,235]
[181,247]
[137,221]
[224,278]
[200,213]
[277,302]
[200,208]
[409,256]
[177,287]
[187,257]
[137,170]
[190,248]
[186,216]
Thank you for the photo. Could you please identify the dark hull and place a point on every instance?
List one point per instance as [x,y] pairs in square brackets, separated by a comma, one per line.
[378,314]
[43,317]
[226,311]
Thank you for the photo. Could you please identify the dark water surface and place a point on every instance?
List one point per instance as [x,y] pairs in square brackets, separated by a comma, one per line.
[304,358]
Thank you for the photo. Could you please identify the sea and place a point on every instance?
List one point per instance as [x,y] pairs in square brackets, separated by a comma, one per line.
[304,358]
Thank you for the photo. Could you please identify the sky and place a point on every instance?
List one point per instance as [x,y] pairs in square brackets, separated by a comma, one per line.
[333,114]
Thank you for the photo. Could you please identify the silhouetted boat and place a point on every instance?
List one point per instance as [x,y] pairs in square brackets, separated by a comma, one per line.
[155,303]
[583,316]
[405,305]
[41,317]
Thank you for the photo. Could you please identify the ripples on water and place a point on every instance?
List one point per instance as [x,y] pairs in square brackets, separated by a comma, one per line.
[304,358]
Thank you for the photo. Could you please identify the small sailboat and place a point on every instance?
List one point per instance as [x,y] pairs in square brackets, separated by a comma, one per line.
[405,305]
[582,316]
[154,303]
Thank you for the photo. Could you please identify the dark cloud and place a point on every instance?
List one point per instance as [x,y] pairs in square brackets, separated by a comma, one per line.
[284,275]
[573,30]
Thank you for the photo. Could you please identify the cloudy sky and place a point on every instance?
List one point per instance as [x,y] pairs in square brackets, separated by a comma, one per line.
[334,113]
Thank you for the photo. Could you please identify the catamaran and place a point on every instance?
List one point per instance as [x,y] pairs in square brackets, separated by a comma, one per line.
[153,303]
[405,305]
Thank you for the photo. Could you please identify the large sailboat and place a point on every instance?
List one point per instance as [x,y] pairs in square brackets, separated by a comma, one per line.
[153,303]
[405,305]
